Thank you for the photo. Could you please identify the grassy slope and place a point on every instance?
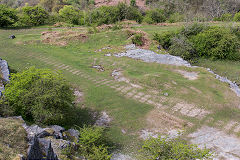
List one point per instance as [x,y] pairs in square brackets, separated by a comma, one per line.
[13,134]
[127,114]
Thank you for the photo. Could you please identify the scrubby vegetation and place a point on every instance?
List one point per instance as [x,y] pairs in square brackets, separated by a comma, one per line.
[84,13]
[165,148]
[40,96]
[199,40]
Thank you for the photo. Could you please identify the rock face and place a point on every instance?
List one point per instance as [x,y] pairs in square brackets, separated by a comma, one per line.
[34,151]
[150,56]
[5,74]
[48,142]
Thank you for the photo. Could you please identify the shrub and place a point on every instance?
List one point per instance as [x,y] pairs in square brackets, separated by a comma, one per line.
[138,39]
[164,39]
[226,17]
[7,16]
[134,14]
[217,43]
[155,16]
[133,3]
[165,148]
[193,29]
[92,143]
[236,17]
[39,95]
[175,17]
[33,16]
[70,15]
[182,47]
[148,19]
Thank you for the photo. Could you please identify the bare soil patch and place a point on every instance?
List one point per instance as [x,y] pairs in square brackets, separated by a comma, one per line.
[145,38]
[161,122]
[62,38]
[188,75]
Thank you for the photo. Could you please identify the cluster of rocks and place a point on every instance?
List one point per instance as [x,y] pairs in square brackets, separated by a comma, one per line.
[150,56]
[4,74]
[99,68]
[48,143]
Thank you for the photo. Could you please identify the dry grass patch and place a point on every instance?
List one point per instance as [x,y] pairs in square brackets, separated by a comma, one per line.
[62,38]
[162,122]
[13,139]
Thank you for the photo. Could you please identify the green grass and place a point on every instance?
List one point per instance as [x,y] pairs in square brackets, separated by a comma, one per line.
[128,114]
[229,69]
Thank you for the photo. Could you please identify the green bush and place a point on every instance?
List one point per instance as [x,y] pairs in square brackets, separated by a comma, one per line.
[70,15]
[8,16]
[155,16]
[164,39]
[166,149]
[39,95]
[175,17]
[236,17]
[137,39]
[226,17]
[133,13]
[33,16]
[92,143]
[217,43]
[148,19]
[193,29]
[182,47]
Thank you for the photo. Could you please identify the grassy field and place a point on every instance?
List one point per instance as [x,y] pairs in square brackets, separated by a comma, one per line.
[128,113]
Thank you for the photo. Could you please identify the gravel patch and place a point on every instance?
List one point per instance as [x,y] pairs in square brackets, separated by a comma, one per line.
[150,56]
[120,156]
[189,75]
[103,120]
[225,146]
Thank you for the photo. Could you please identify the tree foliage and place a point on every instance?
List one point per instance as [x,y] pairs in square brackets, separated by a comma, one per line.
[39,95]
[70,15]
[33,16]
[8,16]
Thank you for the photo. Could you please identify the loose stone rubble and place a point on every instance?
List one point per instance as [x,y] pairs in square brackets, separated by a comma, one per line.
[225,146]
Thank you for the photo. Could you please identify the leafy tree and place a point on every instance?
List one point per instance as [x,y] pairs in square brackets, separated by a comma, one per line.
[70,15]
[33,16]
[166,149]
[39,95]
[7,16]
[133,3]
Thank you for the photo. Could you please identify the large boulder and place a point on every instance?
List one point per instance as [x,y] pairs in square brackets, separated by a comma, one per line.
[58,130]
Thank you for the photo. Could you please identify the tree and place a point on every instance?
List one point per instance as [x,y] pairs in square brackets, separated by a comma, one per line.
[70,15]
[39,95]
[7,16]
[33,16]
[133,3]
